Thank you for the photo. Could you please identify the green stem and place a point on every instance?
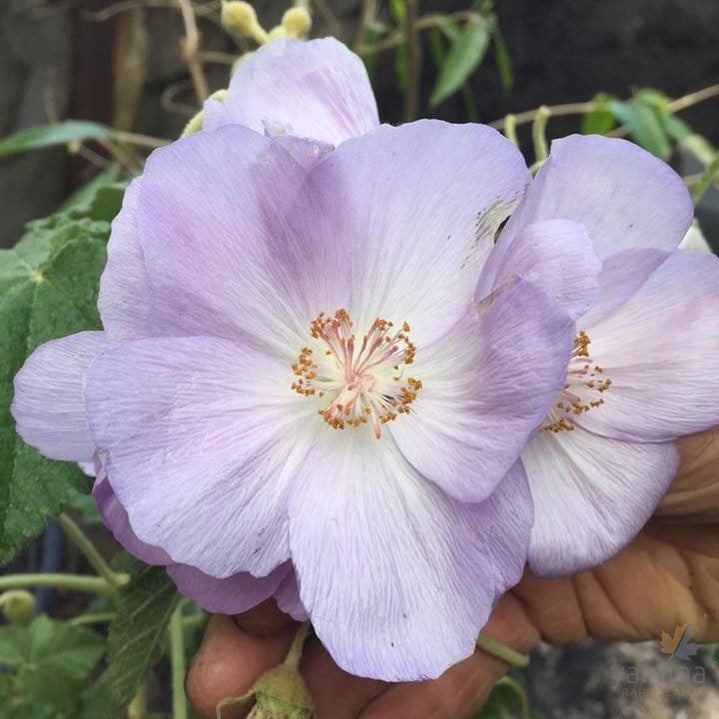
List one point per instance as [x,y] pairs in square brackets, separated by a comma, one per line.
[82,542]
[705,181]
[295,652]
[517,688]
[539,136]
[73,582]
[510,129]
[92,618]
[177,664]
[499,650]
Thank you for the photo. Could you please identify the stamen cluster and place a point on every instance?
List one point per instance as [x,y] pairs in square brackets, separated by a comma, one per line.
[583,390]
[363,379]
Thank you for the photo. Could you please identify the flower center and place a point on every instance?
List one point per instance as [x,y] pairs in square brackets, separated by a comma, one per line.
[362,381]
[583,391]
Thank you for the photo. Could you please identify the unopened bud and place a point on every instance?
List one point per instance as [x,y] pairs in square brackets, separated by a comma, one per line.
[281,692]
[197,120]
[239,20]
[18,606]
[297,21]
[277,31]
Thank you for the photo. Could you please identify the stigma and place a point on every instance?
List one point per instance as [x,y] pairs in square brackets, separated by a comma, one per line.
[360,380]
[583,390]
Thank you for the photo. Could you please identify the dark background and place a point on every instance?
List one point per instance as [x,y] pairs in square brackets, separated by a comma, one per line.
[56,61]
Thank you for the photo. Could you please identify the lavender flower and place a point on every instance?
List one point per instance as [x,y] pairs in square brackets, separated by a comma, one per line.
[295,373]
[643,370]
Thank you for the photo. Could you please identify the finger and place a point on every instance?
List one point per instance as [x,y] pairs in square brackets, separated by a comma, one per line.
[695,491]
[462,689]
[229,662]
[264,620]
[335,693]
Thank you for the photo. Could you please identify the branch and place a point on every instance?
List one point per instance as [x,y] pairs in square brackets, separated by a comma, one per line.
[191,49]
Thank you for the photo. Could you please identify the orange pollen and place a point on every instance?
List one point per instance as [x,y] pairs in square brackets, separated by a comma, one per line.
[362,380]
[582,392]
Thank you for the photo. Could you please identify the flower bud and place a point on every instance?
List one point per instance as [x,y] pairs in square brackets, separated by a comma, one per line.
[239,20]
[18,606]
[297,21]
[281,692]
[277,31]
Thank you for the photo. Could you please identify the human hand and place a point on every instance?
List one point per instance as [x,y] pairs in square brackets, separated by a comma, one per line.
[669,575]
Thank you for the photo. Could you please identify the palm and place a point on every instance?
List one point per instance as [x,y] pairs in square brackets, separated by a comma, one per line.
[668,576]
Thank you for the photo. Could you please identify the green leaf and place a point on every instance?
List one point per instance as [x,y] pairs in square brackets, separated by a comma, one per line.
[691,141]
[601,120]
[50,660]
[48,289]
[645,126]
[463,58]
[34,138]
[503,61]
[136,635]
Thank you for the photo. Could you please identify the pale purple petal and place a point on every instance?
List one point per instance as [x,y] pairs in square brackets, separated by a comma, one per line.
[554,255]
[591,495]
[220,257]
[486,386]
[660,350]
[623,195]
[124,298]
[48,405]
[201,437]
[288,598]
[232,595]
[317,89]
[621,276]
[416,208]
[397,577]
[115,519]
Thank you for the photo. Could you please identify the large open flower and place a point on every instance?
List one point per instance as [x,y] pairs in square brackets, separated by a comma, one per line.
[295,369]
[643,370]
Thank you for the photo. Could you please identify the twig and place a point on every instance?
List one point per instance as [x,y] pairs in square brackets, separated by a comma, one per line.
[167,99]
[82,542]
[571,108]
[414,60]
[221,58]
[424,23]
[72,582]
[204,10]
[133,138]
[190,50]
[583,108]
[121,155]
[333,24]
[367,15]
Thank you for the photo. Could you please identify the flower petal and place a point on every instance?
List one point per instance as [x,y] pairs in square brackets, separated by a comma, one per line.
[232,595]
[621,277]
[195,434]
[416,208]
[124,298]
[554,255]
[115,519]
[623,195]
[397,577]
[661,351]
[48,406]
[486,386]
[213,217]
[591,495]
[317,89]
[288,598]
